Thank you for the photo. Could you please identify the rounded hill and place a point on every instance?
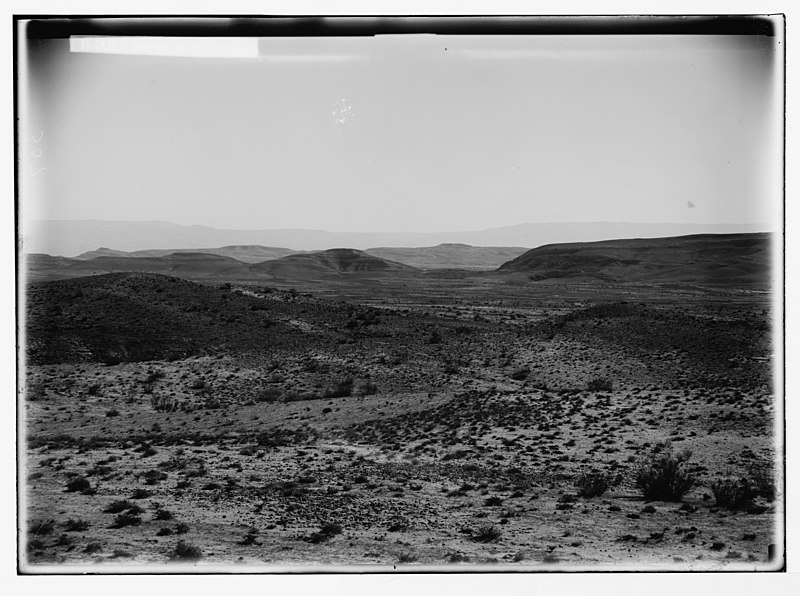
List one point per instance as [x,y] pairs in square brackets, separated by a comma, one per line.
[333,261]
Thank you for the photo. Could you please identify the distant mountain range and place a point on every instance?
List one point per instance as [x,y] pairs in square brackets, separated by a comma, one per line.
[75,237]
[734,260]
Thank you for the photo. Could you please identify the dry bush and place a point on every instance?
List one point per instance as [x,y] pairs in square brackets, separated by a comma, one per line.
[733,494]
[486,533]
[592,484]
[185,551]
[600,384]
[664,476]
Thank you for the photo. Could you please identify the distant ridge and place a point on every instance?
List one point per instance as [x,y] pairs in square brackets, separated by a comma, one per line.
[186,265]
[250,253]
[724,259]
[732,260]
[70,238]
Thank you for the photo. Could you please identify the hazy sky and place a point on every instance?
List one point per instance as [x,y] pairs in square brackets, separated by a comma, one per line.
[408,133]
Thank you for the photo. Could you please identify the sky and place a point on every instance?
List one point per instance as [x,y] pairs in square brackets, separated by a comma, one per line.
[411,133]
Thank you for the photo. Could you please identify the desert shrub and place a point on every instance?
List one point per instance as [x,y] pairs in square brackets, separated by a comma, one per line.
[600,384]
[113,412]
[126,519]
[763,479]
[163,514]
[80,484]
[141,493]
[164,403]
[310,365]
[250,538]
[164,532]
[520,374]
[367,388]
[449,368]
[269,395]
[408,557]
[181,528]
[326,532]
[154,476]
[210,402]
[493,502]
[733,494]
[149,451]
[457,454]
[40,527]
[76,525]
[277,437]
[399,525]
[664,476]
[64,540]
[591,484]
[121,553]
[486,533]
[118,506]
[101,470]
[93,547]
[153,376]
[185,551]
[343,388]
[35,544]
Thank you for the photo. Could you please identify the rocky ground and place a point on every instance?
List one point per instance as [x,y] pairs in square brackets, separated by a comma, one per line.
[397,429]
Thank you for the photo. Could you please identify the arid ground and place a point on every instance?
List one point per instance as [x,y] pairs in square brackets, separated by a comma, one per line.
[449,420]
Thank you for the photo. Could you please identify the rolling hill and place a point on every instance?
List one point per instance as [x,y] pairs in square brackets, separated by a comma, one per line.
[335,261]
[722,259]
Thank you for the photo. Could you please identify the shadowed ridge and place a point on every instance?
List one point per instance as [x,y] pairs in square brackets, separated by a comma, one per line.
[715,259]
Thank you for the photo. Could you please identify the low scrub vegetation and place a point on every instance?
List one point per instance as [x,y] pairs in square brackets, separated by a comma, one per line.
[600,384]
[591,484]
[664,475]
[328,531]
[486,533]
[733,494]
[185,551]
[79,485]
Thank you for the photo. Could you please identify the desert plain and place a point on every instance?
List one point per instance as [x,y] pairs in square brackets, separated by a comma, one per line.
[334,412]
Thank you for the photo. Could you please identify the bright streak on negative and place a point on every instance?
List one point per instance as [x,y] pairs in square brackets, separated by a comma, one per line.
[189,47]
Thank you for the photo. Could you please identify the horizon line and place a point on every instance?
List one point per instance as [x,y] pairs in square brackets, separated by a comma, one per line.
[499,227]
